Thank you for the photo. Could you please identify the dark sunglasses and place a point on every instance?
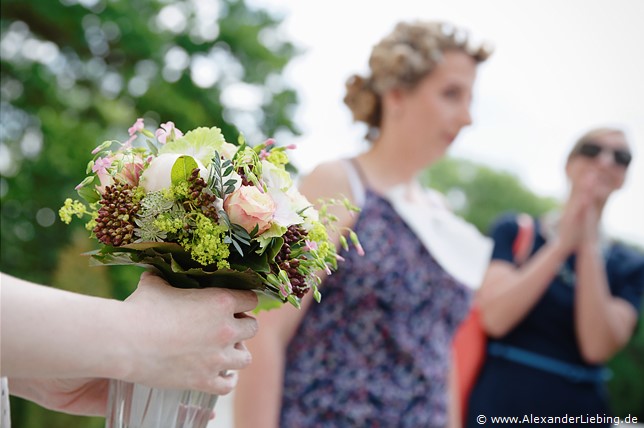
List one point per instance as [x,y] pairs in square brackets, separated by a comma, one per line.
[622,157]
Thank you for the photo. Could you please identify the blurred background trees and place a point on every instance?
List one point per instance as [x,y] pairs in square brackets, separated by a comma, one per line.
[77,72]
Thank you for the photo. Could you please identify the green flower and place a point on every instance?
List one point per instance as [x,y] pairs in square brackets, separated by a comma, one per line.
[71,208]
[206,244]
[201,143]
[277,158]
[155,203]
[318,232]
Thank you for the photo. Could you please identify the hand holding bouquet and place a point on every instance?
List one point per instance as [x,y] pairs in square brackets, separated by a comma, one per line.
[205,213]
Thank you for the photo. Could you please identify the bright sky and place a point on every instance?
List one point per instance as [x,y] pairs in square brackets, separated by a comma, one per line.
[559,68]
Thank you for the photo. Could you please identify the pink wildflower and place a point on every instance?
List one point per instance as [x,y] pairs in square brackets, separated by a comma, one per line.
[285,289]
[132,130]
[359,249]
[263,154]
[101,165]
[310,245]
[138,126]
[167,130]
[356,242]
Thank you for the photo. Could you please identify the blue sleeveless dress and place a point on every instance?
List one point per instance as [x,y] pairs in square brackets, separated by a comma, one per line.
[376,351]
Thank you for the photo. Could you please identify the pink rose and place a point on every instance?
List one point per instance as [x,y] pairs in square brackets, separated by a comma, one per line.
[249,207]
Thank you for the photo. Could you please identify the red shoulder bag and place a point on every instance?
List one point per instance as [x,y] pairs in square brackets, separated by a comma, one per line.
[470,341]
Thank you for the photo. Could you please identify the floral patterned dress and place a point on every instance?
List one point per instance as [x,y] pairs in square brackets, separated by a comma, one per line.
[376,351]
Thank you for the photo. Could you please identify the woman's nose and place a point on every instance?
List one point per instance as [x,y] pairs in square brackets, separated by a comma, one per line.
[466,116]
[606,158]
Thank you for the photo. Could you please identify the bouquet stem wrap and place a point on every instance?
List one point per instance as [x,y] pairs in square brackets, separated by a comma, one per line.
[136,406]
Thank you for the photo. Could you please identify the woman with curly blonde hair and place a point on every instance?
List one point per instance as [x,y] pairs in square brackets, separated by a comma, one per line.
[376,350]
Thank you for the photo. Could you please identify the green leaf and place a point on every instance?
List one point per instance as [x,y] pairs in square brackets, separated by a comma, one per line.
[153,148]
[88,189]
[274,248]
[267,302]
[256,262]
[182,168]
[159,246]
[238,248]
[294,301]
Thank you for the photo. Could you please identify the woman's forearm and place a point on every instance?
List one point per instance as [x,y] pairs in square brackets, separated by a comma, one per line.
[603,323]
[508,294]
[42,328]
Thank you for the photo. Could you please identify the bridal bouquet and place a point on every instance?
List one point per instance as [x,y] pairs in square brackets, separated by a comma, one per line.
[205,213]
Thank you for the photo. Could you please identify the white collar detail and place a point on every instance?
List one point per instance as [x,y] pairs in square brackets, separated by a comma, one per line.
[456,245]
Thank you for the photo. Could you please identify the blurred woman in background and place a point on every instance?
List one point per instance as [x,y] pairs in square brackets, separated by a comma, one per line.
[555,320]
[376,351]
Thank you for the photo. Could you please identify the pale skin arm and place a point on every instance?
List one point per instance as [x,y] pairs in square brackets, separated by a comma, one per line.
[509,293]
[453,402]
[262,383]
[603,323]
[56,343]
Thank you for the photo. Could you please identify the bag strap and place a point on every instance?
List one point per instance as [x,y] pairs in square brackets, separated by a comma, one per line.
[524,241]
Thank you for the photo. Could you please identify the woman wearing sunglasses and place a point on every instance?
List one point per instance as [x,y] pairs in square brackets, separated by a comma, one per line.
[555,320]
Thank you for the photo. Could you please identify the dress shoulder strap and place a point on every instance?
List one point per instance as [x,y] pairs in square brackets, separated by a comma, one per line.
[356,181]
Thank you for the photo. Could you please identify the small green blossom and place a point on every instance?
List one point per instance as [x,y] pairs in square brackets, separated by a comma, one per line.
[277,158]
[207,243]
[169,224]
[91,224]
[71,208]
[318,232]
[325,249]
[180,191]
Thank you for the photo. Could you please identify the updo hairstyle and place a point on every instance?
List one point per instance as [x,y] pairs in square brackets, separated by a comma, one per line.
[401,60]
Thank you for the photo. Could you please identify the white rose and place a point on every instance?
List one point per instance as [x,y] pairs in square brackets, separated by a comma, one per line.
[228,150]
[158,174]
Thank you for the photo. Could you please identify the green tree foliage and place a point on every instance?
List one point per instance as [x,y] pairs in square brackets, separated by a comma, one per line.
[77,72]
[479,194]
